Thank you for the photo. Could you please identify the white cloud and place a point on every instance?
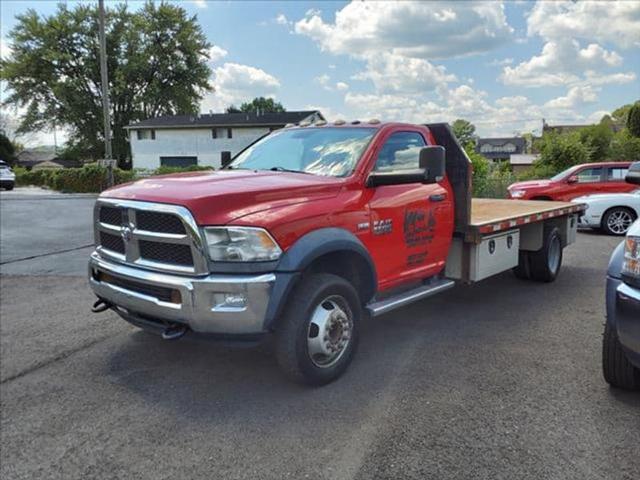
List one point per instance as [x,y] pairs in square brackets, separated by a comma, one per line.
[576,96]
[396,73]
[200,3]
[342,86]
[216,53]
[559,63]
[281,19]
[5,48]
[323,80]
[500,63]
[604,22]
[414,29]
[235,83]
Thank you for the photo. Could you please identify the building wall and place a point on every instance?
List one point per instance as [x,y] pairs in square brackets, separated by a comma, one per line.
[190,142]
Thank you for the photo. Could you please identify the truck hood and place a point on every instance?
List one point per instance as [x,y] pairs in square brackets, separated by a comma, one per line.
[217,198]
[529,184]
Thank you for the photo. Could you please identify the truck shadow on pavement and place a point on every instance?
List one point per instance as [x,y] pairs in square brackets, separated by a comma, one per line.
[518,334]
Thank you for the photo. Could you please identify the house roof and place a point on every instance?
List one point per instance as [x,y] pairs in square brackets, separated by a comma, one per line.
[224,120]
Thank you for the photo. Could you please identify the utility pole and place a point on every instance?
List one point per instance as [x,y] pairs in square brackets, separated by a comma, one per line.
[106,108]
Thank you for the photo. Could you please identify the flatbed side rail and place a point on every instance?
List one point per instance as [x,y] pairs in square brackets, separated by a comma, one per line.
[481,225]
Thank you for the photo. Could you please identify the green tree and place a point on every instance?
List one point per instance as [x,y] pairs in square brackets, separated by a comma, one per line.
[265,105]
[464,131]
[558,152]
[597,139]
[7,149]
[233,109]
[624,147]
[156,61]
[620,114]
[633,120]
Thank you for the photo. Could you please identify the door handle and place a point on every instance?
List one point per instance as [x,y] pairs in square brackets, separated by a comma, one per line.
[437,197]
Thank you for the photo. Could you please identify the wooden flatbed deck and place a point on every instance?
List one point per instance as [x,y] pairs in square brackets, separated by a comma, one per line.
[489,215]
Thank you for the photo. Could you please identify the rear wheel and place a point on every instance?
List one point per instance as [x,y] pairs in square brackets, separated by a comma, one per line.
[617,220]
[318,334]
[617,370]
[522,270]
[545,263]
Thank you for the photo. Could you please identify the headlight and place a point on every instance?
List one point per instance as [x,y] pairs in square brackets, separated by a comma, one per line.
[517,193]
[631,263]
[241,244]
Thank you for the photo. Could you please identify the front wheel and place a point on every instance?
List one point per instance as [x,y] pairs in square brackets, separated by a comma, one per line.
[617,221]
[318,334]
[617,369]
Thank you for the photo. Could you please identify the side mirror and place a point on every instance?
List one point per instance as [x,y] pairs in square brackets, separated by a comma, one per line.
[432,160]
[633,175]
[431,170]
[225,158]
[572,179]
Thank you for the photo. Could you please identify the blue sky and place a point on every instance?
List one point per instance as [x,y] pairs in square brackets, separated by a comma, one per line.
[504,66]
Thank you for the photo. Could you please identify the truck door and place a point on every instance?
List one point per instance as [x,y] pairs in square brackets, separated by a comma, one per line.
[411,225]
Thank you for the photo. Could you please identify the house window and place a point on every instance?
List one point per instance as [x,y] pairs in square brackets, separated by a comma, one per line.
[229,134]
[214,133]
[146,134]
[178,161]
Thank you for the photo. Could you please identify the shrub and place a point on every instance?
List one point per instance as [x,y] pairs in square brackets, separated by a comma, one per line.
[170,170]
[90,178]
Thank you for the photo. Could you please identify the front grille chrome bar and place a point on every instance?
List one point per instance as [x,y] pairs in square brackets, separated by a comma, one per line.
[131,236]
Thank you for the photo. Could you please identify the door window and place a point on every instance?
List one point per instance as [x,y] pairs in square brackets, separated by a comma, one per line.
[589,175]
[617,174]
[401,151]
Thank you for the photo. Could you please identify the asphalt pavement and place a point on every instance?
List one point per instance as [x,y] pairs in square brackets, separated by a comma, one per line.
[498,380]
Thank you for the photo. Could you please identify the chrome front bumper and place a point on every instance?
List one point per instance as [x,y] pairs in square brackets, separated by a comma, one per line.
[198,303]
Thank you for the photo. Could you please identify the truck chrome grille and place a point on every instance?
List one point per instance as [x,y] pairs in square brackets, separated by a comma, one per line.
[159,222]
[112,242]
[166,252]
[150,235]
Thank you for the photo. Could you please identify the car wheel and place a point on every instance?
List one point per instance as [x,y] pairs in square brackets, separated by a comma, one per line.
[617,370]
[318,333]
[9,187]
[545,263]
[617,220]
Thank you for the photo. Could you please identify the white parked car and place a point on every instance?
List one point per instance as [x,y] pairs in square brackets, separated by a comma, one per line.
[7,177]
[614,213]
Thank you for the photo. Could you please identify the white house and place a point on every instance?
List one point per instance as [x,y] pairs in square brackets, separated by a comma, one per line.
[183,140]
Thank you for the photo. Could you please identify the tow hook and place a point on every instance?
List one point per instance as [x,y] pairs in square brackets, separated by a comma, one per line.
[100,306]
[174,332]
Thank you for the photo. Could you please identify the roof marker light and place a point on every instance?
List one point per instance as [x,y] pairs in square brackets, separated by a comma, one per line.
[355,122]
[374,121]
[304,124]
[320,123]
[289,125]
[339,122]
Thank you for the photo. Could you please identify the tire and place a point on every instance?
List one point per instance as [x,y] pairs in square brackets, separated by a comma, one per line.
[522,271]
[617,220]
[545,263]
[321,303]
[9,187]
[616,368]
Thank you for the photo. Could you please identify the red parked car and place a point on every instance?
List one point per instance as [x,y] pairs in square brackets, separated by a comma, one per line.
[579,180]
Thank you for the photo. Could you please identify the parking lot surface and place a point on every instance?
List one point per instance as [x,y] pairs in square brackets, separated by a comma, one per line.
[498,380]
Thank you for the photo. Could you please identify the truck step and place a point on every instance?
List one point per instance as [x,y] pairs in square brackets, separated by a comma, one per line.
[410,296]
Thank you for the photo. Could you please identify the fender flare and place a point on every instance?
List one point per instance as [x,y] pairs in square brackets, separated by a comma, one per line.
[303,252]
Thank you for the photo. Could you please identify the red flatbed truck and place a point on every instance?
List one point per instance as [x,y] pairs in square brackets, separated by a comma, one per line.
[308,231]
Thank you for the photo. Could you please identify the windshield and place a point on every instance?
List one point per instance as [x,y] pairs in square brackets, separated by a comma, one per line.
[563,174]
[320,151]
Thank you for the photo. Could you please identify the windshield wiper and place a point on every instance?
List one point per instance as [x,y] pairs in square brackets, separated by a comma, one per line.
[282,169]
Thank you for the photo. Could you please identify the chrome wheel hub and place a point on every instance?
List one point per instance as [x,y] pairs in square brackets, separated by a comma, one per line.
[330,331]
[619,221]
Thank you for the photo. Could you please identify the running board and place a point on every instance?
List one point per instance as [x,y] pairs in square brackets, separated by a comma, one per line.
[405,298]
